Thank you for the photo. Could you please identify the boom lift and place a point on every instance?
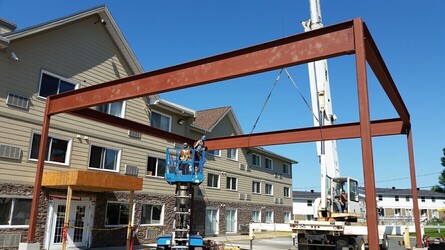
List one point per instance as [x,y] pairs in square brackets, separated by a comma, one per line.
[334,225]
[185,174]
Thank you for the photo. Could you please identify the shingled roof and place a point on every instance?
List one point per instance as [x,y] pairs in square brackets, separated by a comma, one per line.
[207,119]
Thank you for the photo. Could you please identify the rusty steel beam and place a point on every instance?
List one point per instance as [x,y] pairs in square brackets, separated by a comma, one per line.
[365,134]
[412,170]
[333,132]
[319,44]
[98,116]
[378,66]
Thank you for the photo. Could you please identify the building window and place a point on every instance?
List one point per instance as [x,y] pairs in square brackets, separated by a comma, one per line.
[408,212]
[286,217]
[231,218]
[286,169]
[160,121]
[215,152]
[268,163]
[51,84]
[380,197]
[397,211]
[14,211]
[269,216]
[256,187]
[269,189]
[407,198]
[117,214]
[156,167]
[381,211]
[231,183]
[211,221]
[104,158]
[286,192]
[152,214]
[232,154]
[56,149]
[115,108]
[256,160]
[256,216]
[212,180]
[309,203]
[433,199]
[423,212]
[422,198]
[397,198]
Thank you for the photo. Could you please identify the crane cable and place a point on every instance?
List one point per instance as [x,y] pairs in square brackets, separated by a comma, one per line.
[267,100]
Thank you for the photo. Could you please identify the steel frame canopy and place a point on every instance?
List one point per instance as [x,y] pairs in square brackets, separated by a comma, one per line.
[351,37]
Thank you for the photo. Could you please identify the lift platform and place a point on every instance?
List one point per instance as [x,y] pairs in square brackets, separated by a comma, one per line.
[185,173]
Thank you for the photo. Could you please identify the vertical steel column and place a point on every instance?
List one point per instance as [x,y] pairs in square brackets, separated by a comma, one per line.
[39,173]
[365,132]
[66,219]
[412,171]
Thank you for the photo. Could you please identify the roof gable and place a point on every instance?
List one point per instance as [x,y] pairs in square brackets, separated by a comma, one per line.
[209,118]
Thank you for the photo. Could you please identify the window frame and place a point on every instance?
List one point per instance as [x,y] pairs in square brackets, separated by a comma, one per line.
[122,112]
[380,197]
[286,169]
[156,167]
[286,192]
[212,180]
[258,165]
[266,159]
[258,212]
[254,187]
[287,216]
[161,220]
[212,152]
[118,158]
[49,146]
[271,189]
[76,85]
[230,183]
[309,203]
[396,198]
[12,212]
[271,213]
[162,115]
[233,156]
[119,218]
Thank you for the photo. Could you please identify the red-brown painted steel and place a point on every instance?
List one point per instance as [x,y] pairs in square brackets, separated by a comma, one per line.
[380,70]
[412,170]
[365,131]
[333,132]
[38,179]
[336,40]
[315,45]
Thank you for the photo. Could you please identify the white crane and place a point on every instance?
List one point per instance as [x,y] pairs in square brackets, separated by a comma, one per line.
[322,109]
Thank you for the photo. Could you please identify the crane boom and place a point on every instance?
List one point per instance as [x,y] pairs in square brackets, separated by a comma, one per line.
[322,108]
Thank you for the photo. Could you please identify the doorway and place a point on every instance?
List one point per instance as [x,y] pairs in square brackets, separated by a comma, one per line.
[79,219]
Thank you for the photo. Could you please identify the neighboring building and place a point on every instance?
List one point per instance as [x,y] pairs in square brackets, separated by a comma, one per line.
[397,204]
[303,204]
[393,205]
[241,185]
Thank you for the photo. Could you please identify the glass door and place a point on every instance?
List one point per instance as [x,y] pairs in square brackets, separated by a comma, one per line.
[231,220]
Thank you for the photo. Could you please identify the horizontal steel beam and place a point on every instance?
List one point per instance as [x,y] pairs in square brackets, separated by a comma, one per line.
[310,46]
[311,134]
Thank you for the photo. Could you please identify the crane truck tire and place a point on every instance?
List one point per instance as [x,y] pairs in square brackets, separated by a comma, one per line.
[385,243]
[359,243]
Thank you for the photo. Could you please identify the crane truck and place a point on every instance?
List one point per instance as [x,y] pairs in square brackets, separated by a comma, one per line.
[334,226]
[184,173]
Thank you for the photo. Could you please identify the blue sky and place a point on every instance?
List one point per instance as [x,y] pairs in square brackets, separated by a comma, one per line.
[410,35]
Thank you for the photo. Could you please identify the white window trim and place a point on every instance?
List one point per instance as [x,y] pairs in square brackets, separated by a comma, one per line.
[15,197]
[76,85]
[169,116]
[236,154]
[259,160]
[271,190]
[118,160]
[259,215]
[216,219]
[272,217]
[288,167]
[124,108]
[162,214]
[219,181]
[271,163]
[236,186]
[68,149]
[288,192]
[157,164]
[218,155]
[259,185]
